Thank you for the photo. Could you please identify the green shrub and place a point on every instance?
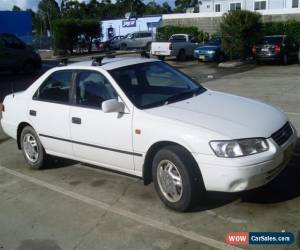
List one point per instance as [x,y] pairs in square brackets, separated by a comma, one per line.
[290,28]
[66,32]
[164,33]
[240,29]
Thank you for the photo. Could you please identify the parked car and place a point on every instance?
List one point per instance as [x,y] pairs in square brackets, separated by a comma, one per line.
[211,51]
[136,40]
[112,43]
[145,118]
[179,45]
[16,56]
[277,48]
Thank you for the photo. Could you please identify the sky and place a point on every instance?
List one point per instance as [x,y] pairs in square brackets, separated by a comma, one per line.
[32,4]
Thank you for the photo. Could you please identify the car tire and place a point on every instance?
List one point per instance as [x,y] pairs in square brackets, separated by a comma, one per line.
[123,46]
[32,149]
[285,59]
[148,46]
[181,55]
[177,178]
[162,58]
[29,67]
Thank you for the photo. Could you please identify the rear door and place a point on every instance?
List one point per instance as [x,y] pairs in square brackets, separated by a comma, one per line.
[49,113]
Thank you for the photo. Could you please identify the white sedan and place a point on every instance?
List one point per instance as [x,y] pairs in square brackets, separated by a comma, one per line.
[143,117]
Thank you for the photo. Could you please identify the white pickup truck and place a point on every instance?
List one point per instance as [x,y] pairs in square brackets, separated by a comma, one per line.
[179,45]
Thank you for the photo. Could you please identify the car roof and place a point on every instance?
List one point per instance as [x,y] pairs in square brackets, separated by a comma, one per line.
[112,63]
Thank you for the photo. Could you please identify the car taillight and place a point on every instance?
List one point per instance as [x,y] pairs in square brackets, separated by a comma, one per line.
[277,49]
[254,49]
[170,46]
[2,109]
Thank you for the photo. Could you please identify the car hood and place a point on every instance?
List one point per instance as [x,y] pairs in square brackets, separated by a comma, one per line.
[228,115]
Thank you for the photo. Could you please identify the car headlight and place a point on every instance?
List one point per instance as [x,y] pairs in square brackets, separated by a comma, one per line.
[238,148]
[210,51]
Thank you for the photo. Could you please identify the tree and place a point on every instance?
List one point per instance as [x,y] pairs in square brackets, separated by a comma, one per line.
[153,8]
[48,10]
[182,5]
[16,8]
[67,31]
[135,6]
[240,29]
[166,8]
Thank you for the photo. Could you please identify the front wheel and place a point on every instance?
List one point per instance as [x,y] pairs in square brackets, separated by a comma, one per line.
[177,178]
[32,149]
[162,58]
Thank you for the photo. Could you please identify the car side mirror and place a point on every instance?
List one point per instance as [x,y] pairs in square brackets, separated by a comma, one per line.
[112,106]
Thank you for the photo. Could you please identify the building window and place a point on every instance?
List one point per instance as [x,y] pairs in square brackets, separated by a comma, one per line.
[217,7]
[260,5]
[235,6]
[295,4]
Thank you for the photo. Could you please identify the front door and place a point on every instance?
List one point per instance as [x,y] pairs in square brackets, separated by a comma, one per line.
[49,113]
[100,138]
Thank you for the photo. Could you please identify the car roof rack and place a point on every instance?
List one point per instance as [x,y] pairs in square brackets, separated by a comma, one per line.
[98,57]
[97,60]
[63,61]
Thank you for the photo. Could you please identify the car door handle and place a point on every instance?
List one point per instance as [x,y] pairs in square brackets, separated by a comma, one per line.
[76,120]
[32,112]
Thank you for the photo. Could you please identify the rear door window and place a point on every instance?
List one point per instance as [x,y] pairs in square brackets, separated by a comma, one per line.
[56,87]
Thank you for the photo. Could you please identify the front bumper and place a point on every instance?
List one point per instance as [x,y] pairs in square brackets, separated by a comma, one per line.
[245,173]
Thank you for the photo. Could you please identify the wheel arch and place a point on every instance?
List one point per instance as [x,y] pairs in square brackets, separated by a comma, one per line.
[147,166]
[21,126]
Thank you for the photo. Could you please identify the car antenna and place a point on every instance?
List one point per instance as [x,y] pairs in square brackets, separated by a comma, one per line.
[12,89]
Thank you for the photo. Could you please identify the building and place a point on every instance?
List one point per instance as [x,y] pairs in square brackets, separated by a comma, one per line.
[260,5]
[209,12]
[123,26]
[18,23]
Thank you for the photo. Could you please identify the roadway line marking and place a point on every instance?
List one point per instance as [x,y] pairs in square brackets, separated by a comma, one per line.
[130,215]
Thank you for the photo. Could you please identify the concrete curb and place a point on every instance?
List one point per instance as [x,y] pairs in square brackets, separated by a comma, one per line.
[231,64]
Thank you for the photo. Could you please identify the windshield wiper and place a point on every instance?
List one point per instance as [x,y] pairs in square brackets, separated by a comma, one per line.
[183,95]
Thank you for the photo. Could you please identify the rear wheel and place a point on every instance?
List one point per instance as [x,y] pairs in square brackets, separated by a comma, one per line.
[162,58]
[123,46]
[181,55]
[32,149]
[285,59]
[177,178]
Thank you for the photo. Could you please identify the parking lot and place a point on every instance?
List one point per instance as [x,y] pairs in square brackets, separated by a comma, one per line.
[75,206]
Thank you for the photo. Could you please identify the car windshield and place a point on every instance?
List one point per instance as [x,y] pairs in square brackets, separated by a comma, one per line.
[214,41]
[271,40]
[154,84]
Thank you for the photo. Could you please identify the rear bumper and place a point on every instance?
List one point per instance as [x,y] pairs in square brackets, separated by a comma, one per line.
[204,57]
[270,58]
[247,172]
[162,53]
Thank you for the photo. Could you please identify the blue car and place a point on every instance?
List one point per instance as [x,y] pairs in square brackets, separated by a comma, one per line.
[210,51]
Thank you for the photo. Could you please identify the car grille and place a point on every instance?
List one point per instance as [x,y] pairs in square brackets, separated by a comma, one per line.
[283,134]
